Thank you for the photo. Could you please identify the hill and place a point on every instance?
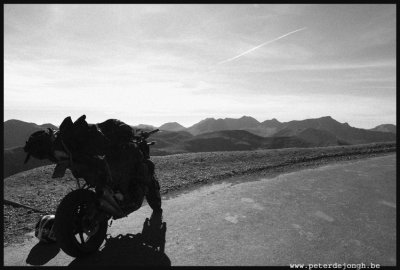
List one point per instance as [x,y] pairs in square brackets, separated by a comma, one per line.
[169,142]
[343,132]
[211,124]
[319,137]
[172,126]
[16,132]
[385,128]
[239,140]
[273,123]
[225,140]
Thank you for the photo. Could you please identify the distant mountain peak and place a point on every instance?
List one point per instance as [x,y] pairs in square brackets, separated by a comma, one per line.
[172,123]
[273,120]
[246,117]
[211,124]
[208,119]
[385,128]
[273,123]
[172,126]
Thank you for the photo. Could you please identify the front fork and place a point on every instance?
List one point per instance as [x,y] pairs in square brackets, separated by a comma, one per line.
[103,209]
[93,218]
[107,207]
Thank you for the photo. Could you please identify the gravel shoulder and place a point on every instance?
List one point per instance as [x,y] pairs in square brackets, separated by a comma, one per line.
[176,173]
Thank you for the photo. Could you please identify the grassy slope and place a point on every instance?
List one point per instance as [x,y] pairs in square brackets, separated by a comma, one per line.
[36,188]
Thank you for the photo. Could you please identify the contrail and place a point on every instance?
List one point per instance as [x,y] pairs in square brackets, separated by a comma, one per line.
[259,46]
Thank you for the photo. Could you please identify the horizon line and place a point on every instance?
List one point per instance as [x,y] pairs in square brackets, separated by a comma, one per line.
[134,125]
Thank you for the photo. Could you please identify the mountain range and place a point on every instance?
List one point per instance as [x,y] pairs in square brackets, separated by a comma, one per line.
[273,127]
[229,134]
[326,129]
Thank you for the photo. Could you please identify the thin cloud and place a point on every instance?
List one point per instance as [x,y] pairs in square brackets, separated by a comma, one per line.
[259,46]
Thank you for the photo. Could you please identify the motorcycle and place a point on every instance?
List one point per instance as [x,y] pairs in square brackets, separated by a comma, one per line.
[81,219]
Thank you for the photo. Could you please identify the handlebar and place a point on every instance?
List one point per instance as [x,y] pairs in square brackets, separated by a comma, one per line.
[153,131]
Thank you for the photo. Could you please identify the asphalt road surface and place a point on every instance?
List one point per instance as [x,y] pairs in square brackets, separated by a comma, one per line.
[340,213]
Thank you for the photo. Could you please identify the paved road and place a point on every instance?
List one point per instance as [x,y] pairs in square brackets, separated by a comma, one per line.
[341,213]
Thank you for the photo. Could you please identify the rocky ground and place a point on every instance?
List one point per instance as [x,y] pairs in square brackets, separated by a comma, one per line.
[36,188]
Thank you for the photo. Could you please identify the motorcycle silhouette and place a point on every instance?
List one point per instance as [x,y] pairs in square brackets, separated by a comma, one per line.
[117,179]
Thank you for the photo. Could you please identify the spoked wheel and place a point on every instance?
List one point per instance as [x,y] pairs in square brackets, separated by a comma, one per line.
[75,233]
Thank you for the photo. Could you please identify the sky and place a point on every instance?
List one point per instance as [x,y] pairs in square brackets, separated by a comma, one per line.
[152,63]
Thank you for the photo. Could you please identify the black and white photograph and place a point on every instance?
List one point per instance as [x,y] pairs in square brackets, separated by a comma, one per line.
[241,134]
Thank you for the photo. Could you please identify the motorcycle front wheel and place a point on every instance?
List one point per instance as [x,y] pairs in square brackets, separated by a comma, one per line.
[73,236]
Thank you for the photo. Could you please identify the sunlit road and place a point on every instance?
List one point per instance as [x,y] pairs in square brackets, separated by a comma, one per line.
[340,213]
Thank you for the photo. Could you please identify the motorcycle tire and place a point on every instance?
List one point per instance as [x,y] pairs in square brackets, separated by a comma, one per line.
[68,224]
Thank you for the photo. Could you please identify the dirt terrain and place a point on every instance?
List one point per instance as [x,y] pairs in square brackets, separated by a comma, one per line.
[36,188]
